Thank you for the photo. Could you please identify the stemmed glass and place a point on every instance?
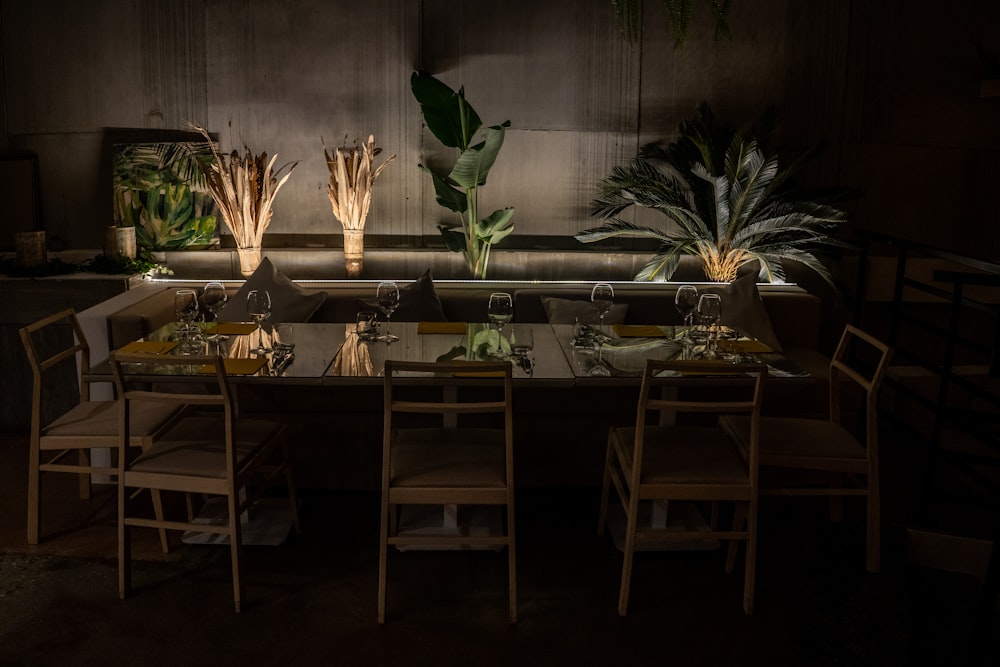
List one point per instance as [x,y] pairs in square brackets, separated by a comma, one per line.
[686,301]
[709,314]
[387,299]
[501,310]
[602,297]
[215,300]
[186,312]
[259,309]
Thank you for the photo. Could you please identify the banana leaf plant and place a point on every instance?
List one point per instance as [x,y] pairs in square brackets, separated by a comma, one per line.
[729,204]
[457,125]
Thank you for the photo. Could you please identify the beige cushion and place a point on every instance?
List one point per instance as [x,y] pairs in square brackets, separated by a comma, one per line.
[99,420]
[289,301]
[568,311]
[432,457]
[196,446]
[686,455]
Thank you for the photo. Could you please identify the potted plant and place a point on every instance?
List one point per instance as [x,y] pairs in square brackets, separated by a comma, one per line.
[457,125]
[729,205]
[244,188]
[352,176]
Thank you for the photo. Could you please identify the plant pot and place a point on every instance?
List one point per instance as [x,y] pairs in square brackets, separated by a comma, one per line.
[354,250]
[249,260]
[119,242]
[31,250]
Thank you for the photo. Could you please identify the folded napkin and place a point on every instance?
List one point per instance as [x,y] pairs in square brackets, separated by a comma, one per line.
[238,366]
[148,346]
[441,327]
[638,331]
[743,346]
[235,328]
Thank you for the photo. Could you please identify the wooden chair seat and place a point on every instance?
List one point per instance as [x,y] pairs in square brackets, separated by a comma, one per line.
[809,444]
[430,457]
[692,455]
[97,422]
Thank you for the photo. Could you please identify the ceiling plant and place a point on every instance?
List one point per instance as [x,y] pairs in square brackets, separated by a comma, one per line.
[724,200]
[629,14]
[456,124]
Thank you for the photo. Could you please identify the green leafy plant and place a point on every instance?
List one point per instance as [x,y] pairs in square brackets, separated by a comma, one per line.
[161,191]
[730,205]
[457,125]
[629,16]
[144,262]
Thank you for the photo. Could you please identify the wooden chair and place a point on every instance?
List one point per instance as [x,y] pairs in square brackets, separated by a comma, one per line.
[52,354]
[209,451]
[452,462]
[824,457]
[691,459]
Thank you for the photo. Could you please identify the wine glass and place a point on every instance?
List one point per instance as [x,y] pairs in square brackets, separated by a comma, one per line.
[501,309]
[387,299]
[686,301]
[215,300]
[709,314]
[259,310]
[602,297]
[185,311]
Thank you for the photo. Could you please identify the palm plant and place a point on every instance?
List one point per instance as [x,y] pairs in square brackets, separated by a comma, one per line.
[731,206]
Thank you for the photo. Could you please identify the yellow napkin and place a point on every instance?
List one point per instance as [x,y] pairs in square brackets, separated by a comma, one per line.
[638,331]
[149,346]
[743,345]
[238,366]
[235,328]
[441,327]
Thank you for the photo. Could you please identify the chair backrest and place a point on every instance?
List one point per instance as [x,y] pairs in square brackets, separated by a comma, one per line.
[735,389]
[47,348]
[210,369]
[862,359]
[462,385]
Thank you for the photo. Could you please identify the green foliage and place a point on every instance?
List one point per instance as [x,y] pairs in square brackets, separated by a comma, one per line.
[729,205]
[456,125]
[160,189]
[116,265]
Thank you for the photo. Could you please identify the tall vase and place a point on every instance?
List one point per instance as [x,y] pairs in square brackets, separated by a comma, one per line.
[249,260]
[354,250]
[119,242]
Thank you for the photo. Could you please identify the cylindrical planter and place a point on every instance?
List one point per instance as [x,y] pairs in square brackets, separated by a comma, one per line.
[119,242]
[249,260]
[31,250]
[354,251]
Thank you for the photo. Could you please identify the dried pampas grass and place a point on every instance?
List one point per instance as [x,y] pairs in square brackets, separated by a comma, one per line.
[352,175]
[244,188]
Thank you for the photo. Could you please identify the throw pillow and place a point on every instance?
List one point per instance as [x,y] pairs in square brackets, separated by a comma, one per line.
[418,302]
[568,311]
[289,301]
[743,309]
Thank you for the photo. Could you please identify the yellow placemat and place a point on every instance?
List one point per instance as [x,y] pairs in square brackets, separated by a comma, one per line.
[440,327]
[238,366]
[235,328]
[743,346]
[148,346]
[638,331]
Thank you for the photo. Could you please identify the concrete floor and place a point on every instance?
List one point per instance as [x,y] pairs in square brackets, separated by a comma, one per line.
[312,600]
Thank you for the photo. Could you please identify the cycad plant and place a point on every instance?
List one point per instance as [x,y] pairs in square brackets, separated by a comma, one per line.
[730,205]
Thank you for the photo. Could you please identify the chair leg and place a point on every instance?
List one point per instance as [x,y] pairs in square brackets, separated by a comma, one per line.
[83,456]
[124,546]
[383,546]
[34,495]
[739,519]
[629,552]
[235,548]
[158,513]
[511,563]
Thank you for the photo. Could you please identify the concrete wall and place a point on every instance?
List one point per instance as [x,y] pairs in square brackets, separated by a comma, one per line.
[892,86]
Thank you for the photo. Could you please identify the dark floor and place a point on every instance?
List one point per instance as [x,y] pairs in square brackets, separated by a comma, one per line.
[312,600]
